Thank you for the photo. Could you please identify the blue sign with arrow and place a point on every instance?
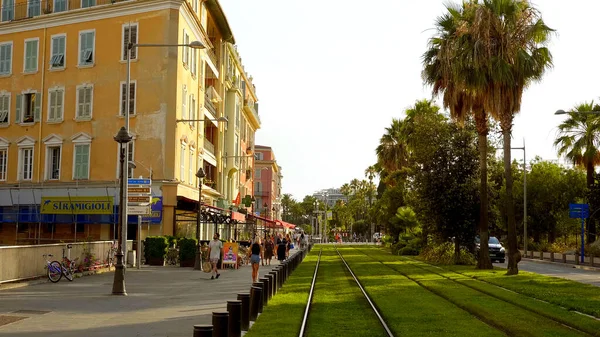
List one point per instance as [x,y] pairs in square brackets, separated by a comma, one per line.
[580,211]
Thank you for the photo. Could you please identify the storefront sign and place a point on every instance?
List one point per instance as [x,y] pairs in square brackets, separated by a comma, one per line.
[156,208]
[230,252]
[77,205]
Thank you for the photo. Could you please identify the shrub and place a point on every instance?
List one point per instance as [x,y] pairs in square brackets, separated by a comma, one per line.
[444,254]
[156,246]
[397,247]
[172,240]
[187,249]
[409,250]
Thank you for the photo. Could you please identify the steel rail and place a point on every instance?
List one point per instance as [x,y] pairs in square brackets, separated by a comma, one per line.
[310,296]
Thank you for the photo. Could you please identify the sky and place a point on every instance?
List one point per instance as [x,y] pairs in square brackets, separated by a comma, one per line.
[331,75]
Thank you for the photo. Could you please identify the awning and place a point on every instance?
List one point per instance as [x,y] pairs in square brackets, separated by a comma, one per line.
[264,219]
[238,216]
[286,224]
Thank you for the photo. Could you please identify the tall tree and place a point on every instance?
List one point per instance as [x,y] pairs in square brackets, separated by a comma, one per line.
[510,38]
[391,151]
[579,141]
[448,68]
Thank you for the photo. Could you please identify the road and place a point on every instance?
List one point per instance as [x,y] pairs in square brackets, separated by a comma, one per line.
[566,271]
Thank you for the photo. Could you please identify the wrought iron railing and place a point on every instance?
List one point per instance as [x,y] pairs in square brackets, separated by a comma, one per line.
[32,8]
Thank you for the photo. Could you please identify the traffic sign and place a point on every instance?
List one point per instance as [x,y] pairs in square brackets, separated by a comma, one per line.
[579,210]
[138,190]
[140,181]
[142,199]
[139,210]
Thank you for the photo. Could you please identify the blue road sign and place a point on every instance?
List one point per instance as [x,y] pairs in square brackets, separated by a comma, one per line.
[138,181]
[580,211]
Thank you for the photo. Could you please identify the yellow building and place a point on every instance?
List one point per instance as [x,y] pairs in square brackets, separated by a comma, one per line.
[63,98]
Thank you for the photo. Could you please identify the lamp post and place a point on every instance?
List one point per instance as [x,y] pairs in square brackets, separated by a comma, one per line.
[123,137]
[200,174]
[130,46]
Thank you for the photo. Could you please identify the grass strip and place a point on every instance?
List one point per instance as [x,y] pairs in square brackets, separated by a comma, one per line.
[408,309]
[339,307]
[572,295]
[513,319]
[283,315]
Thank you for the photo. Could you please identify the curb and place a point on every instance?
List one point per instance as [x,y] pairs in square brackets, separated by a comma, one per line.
[565,265]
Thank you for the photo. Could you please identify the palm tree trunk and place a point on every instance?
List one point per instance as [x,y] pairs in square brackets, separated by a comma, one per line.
[514,256]
[590,223]
[483,261]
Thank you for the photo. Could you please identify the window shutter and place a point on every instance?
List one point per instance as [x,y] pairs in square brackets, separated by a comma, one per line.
[88,101]
[59,104]
[125,41]
[18,105]
[133,34]
[132,98]
[123,98]
[38,107]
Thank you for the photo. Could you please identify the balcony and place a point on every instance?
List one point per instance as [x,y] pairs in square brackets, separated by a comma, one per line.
[35,8]
[209,106]
[208,146]
[250,108]
[262,193]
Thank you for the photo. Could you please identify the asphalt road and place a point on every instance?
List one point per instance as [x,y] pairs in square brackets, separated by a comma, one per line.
[566,271]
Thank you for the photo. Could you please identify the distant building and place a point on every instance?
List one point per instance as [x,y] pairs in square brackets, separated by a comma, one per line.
[267,183]
[330,196]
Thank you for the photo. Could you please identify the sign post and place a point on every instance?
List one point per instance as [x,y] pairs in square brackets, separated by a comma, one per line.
[580,211]
[138,203]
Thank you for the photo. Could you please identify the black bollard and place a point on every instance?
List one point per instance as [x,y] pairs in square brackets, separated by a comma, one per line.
[270,285]
[234,308]
[274,284]
[279,277]
[220,322]
[203,330]
[261,302]
[265,282]
[255,299]
[245,317]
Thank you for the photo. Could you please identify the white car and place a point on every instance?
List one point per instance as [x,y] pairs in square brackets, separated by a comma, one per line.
[377,236]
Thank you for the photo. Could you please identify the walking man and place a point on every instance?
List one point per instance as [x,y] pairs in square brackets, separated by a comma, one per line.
[214,253]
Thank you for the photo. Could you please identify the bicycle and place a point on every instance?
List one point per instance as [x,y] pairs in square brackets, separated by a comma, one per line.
[111,254]
[54,269]
[67,265]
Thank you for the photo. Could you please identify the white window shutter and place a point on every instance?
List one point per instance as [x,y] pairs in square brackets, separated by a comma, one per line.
[18,105]
[38,107]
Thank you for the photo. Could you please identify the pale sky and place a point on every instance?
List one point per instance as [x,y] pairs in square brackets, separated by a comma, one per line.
[331,75]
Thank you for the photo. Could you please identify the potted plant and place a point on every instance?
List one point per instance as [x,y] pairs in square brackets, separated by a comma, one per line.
[187,252]
[156,248]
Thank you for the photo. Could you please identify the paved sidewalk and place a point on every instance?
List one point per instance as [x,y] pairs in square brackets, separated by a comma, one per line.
[161,301]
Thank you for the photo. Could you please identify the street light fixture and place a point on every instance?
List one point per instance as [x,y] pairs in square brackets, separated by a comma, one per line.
[220,119]
[200,174]
[123,137]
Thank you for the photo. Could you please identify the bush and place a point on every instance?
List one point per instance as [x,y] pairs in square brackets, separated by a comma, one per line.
[172,240]
[409,250]
[187,249]
[156,247]
[397,247]
[444,254]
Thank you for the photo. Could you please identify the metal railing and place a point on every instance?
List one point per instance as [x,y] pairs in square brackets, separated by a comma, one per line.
[208,146]
[33,8]
[209,105]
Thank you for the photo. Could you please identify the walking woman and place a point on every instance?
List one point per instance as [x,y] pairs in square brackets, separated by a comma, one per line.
[255,250]
[281,248]
[288,240]
[269,248]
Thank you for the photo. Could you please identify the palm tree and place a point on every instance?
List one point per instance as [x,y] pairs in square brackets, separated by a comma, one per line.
[370,173]
[511,40]
[391,151]
[579,141]
[450,72]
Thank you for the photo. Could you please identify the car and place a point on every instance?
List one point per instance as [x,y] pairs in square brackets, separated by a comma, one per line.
[496,250]
[377,236]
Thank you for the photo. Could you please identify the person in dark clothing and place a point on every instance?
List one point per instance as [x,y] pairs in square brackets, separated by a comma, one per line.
[255,251]
[281,247]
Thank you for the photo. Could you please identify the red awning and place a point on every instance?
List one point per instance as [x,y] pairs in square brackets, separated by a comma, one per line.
[286,224]
[264,219]
[238,216]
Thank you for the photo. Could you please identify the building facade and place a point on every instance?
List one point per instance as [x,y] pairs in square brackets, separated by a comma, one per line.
[63,67]
[267,185]
[331,196]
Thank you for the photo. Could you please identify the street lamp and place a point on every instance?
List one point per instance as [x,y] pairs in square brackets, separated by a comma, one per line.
[130,46]
[200,174]
[563,112]
[123,137]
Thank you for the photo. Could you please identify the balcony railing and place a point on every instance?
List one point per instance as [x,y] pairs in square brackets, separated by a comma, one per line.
[208,146]
[33,8]
[262,193]
[209,105]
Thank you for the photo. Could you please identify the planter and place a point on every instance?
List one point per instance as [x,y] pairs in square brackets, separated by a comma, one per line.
[187,263]
[187,251]
[156,261]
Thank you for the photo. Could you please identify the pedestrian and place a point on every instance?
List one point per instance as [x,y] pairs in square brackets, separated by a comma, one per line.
[269,248]
[255,251]
[288,245]
[214,253]
[302,240]
[281,247]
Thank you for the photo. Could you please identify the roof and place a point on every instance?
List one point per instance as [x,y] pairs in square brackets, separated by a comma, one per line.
[218,14]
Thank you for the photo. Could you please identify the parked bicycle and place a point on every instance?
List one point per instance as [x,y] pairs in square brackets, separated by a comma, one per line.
[68,266]
[53,269]
[56,270]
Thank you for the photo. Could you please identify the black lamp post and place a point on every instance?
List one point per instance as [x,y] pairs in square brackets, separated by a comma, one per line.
[123,137]
[200,174]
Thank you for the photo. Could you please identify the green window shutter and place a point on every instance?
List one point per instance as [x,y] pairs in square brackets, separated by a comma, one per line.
[38,107]
[18,105]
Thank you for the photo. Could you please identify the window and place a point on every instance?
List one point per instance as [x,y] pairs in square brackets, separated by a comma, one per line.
[4,109]
[130,33]
[6,58]
[191,167]
[186,50]
[132,85]
[258,156]
[84,105]
[31,56]
[34,8]
[27,107]
[25,163]
[3,163]
[184,112]
[88,3]
[237,114]
[237,149]
[257,173]
[53,162]
[195,5]
[193,110]
[60,6]
[56,104]
[86,48]
[193,62]
[182,163]
[8,10]
[258,187]
[57,58]
[81,161]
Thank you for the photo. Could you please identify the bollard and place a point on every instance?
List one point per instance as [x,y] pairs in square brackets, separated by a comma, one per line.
[564,257]
[552,256]
[577,258]
[591,260]
[261,302]
[541,255]
[265,283]
[270,285]
[273,273]
[279,276]
[255,298]
[245,316]
[220,322]
[203,330]
[234,308]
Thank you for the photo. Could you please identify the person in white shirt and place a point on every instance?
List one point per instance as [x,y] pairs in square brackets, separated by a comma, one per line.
[214,254]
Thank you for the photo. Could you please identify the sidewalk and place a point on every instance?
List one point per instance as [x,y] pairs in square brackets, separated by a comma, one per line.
[161,301]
